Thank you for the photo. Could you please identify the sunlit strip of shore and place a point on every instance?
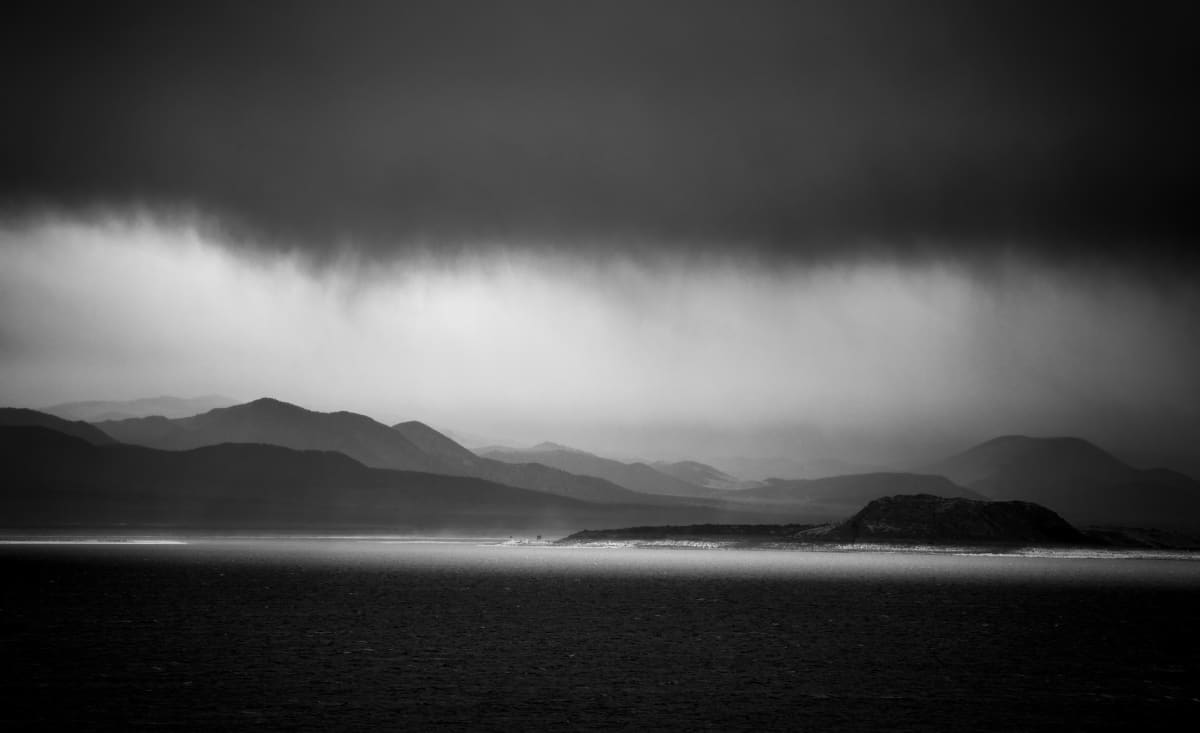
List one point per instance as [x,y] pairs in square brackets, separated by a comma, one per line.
[92,542]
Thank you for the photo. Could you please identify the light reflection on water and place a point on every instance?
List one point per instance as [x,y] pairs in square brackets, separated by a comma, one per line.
[97,541]
[841,563]
[479,634]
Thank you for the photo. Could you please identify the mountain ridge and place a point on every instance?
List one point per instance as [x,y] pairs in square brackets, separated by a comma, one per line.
[55,479]
[165,405]
[1075,478]
[20,416]
[272,421]
[835,497]
[638,477]
[701,474]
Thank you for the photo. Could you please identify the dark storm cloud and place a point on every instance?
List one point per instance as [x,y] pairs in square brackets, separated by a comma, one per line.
[788,128]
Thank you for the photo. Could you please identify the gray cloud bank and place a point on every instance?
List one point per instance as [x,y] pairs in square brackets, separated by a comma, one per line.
[784,129]
[875,361]
[873,230]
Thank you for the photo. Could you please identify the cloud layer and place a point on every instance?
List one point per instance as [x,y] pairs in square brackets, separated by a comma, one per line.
[870,356]
[787,130]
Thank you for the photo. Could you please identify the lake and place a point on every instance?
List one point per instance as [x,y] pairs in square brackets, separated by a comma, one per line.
[353,633]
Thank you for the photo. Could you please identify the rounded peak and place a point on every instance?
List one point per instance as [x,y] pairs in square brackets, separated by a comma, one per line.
[269,403]
[263,407]
[1023,447]
[1029,440]
[547,447]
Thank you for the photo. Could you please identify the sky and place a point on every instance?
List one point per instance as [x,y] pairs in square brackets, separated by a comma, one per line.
[859,230]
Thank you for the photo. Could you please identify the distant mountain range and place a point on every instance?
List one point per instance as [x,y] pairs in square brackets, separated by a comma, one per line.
[1077,479]
[14,416]
[701,474]
[164,406]
[53,480]
[837,496]
[436,444]
[634,476]
[1069,475]
[410,446]
[761,469]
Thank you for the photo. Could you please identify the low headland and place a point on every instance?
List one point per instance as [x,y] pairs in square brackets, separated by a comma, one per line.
[907,520]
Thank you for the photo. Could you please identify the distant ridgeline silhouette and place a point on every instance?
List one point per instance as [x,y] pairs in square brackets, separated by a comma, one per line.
[52,479]
[635,476]
[701,474]
[1067,475]
[838,496]
[165,406]
[16,416]
[410,446]
[1076,479]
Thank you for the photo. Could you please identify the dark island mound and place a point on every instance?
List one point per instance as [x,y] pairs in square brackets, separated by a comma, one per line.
[907,519]
[932,519]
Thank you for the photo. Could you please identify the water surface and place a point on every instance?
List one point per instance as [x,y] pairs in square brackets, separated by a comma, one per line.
[468,634]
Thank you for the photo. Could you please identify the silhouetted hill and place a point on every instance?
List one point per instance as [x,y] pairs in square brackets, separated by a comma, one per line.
[435,443]
[700,474]
[908,519]
[53,479]
[278,423]
[1077,479]
[19,416]
[926,519]
[838,496]
[760,469]
[549,447]
[165,406]
[1050,458]
[547,478]
[358,436]
[633,476]
[777,467]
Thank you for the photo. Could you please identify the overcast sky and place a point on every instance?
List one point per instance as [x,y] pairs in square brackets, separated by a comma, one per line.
[849,229]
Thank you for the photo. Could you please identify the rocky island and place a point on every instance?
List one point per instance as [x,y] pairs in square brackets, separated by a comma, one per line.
[913,519]
[923,518]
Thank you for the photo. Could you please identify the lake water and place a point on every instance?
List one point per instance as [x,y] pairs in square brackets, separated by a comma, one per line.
[467,634]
